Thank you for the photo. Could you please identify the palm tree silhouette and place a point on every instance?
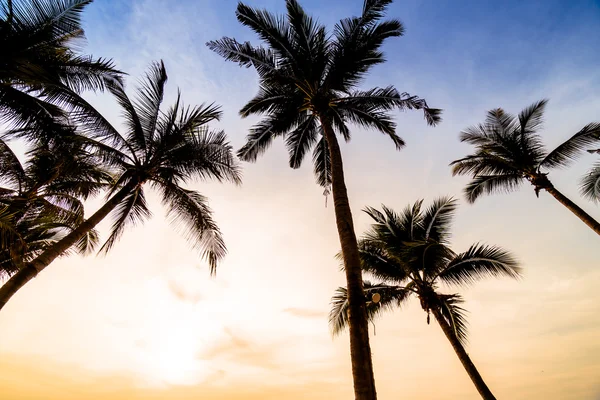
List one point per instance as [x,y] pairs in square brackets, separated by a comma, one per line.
[409,254]
[308,92]
[163,149]
[509,151]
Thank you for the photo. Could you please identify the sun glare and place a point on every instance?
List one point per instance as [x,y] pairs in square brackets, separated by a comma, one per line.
[175,333]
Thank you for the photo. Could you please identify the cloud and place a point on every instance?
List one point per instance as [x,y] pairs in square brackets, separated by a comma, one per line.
[305,312]
[235,347]
[185,294]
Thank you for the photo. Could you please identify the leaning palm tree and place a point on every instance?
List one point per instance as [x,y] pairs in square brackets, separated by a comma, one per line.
[509,151]
[409,254]
[308,92]
[41,200]
[164,150]
[41,73]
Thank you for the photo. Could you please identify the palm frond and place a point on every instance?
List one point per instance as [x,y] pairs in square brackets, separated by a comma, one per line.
[500,122]
[133,209]
[590,184]
[478,262]
[355,47]
[391,297]
[568,151]
[385,99]
[61,16]
[88,243]
[262,134]
[301,139]
[490,184]
[135,136]
[454,315]
[371,118]
[322,165]
[11,170]
[310,41]
[246,55]
[531,118]
[373,10]
[483,163]
[191,209]
[80,73]
[376,262]
[438,217]
[272,29]
[270,100]
[204,154]
[150,97]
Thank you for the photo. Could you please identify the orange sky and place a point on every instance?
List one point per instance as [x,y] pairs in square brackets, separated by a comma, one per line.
[147,321]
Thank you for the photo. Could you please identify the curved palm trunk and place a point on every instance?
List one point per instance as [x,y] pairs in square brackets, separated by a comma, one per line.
[574,208]
[360,350]
[31,269]
[464,358]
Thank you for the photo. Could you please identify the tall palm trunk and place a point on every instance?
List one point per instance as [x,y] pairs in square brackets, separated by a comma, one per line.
[360,350]
[32,268]
[574,208]
[464,358]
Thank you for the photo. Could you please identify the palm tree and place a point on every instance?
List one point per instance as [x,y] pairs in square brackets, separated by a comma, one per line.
[40,71]
[509,151]
[165,150]
[41,201]
[307,93]
[409,254]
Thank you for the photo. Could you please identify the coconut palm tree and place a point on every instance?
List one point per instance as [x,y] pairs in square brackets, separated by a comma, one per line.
[41,200]
[308,92]
[40,71]
[409,254]
[509,151]
[164,150]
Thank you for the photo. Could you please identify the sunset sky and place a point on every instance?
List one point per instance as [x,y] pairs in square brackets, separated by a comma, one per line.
[148,322]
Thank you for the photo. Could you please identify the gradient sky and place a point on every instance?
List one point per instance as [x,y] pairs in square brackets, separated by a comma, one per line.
[147,321]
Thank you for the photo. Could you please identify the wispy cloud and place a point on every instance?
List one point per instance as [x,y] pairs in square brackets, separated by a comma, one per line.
[305,313]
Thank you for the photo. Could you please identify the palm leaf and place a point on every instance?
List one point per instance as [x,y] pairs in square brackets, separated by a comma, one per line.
[478,262]
[376,262]
[490,184]
[590,184]
[454,315]
[391,297]
[531,118]
[150,97]
[322,164]
[437,219]
[568,151]
[191,209]
[133,209]
[300,140]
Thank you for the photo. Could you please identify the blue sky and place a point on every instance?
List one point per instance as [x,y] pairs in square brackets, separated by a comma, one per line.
[274,287]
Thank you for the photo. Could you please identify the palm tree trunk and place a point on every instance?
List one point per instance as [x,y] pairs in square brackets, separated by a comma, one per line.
[464,358]
[32,268]
[360,350]
[574,208]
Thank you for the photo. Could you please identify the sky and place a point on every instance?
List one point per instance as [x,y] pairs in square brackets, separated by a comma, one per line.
[148,322]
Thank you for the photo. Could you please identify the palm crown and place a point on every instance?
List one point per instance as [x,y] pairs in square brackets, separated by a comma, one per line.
[40,72]
[509,150]
[41,201]
[309,77]
[409,253]
[166,149]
